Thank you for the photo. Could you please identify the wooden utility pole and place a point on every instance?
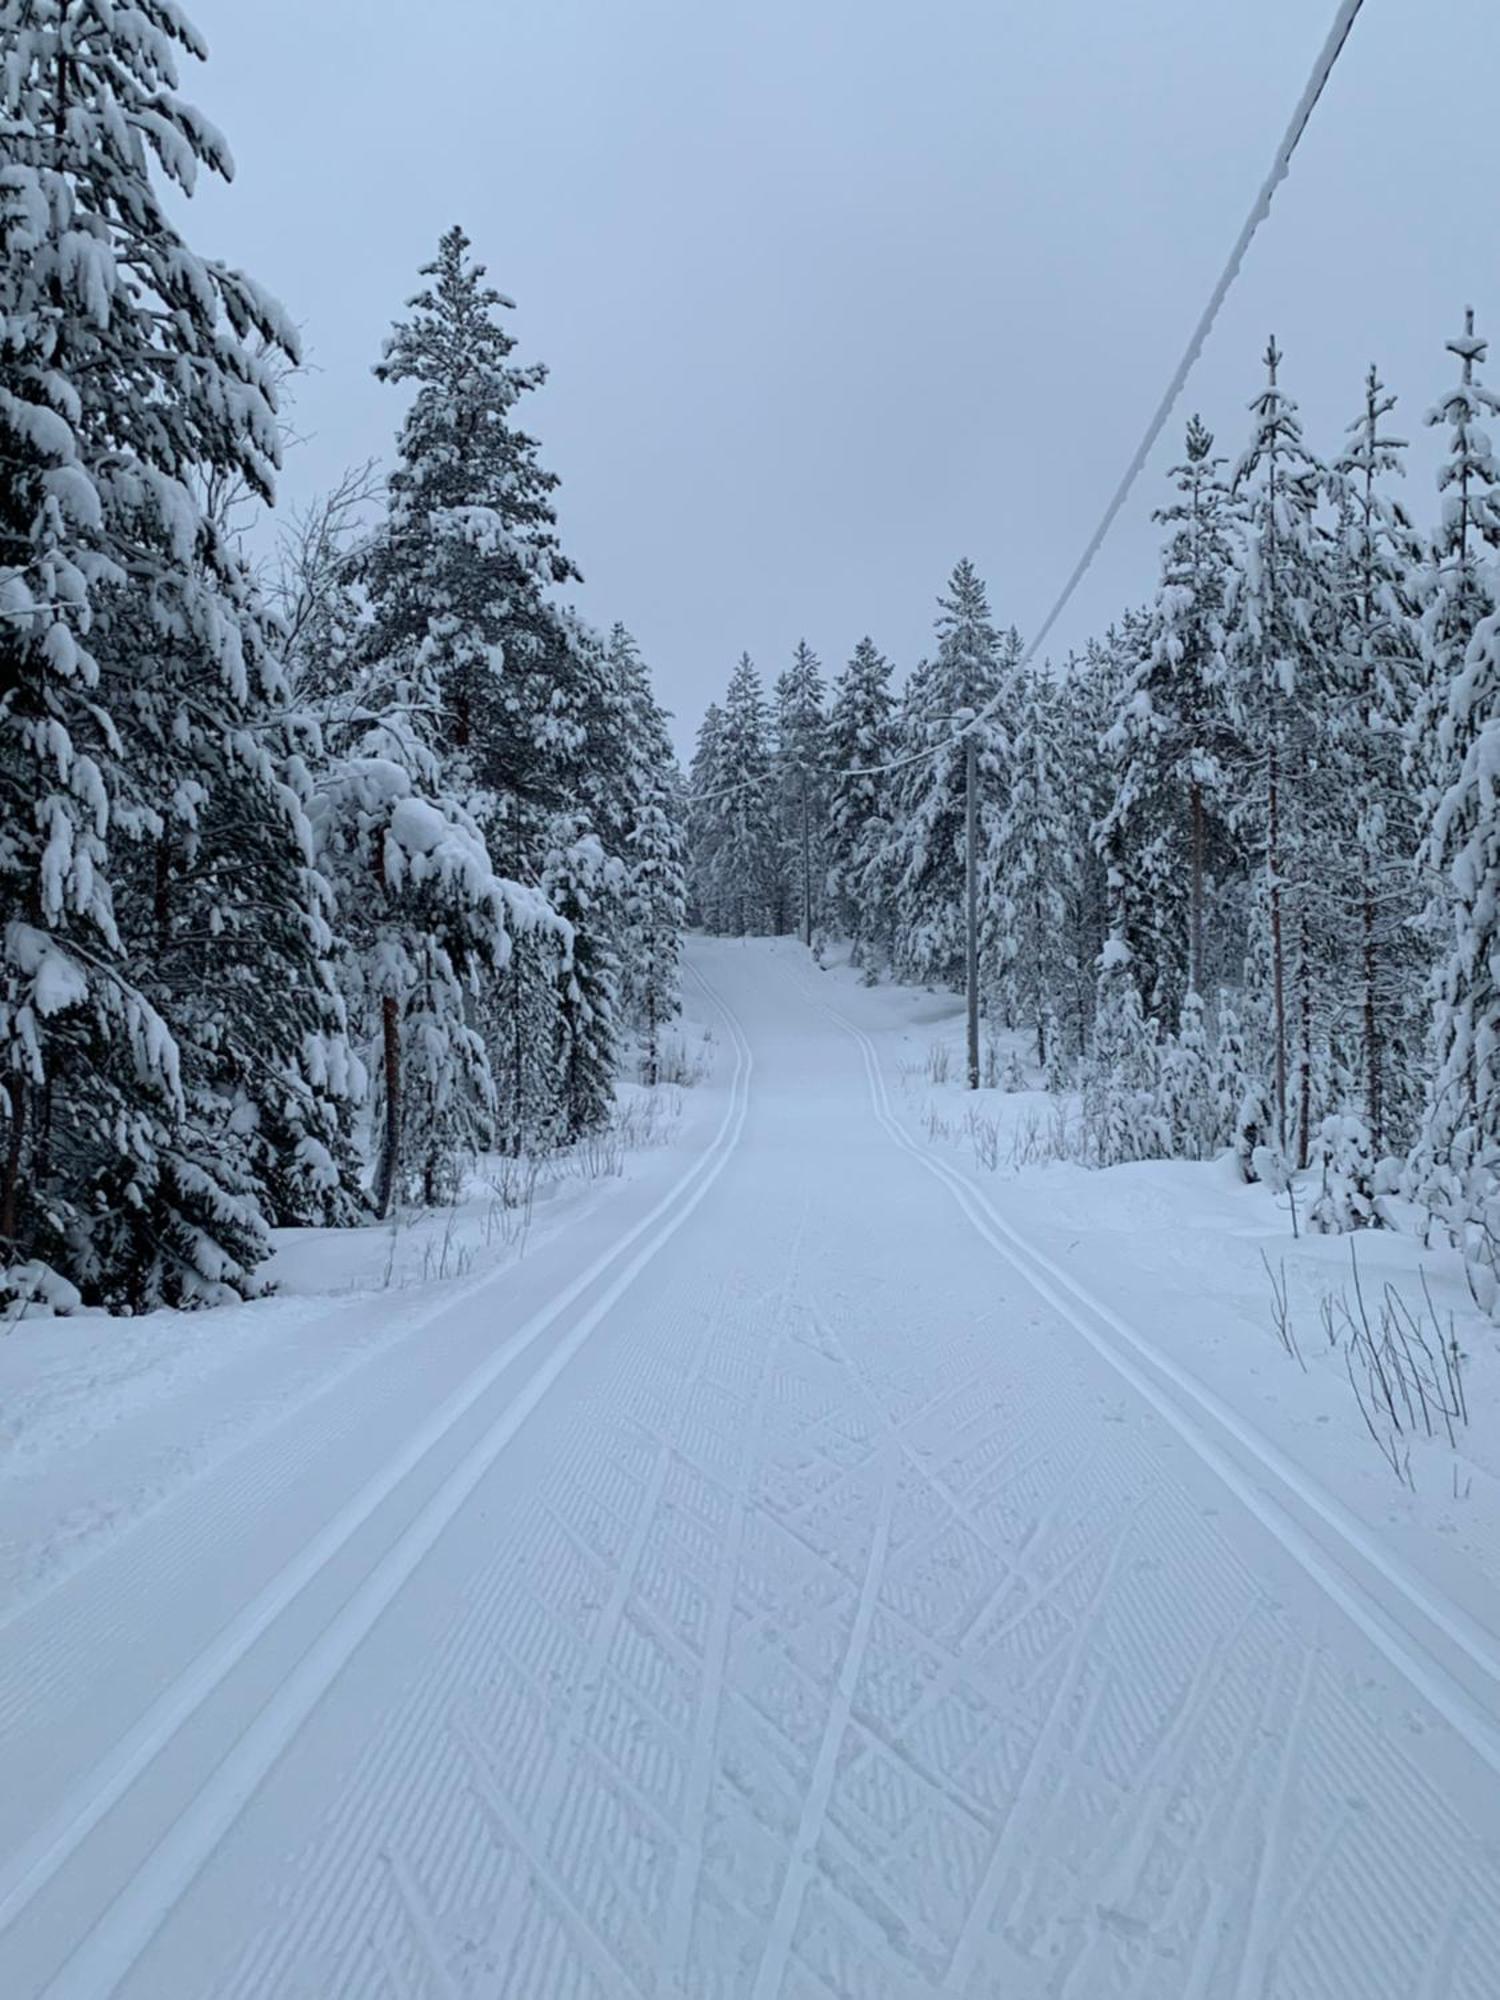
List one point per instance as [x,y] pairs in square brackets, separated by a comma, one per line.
[971,898]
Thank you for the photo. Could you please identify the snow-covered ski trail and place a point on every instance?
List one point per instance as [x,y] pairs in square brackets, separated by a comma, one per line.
[119,1939]
[1396,1610]
[827,1604]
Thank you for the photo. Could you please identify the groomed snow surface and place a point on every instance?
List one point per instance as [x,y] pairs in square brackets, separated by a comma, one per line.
[823,1564]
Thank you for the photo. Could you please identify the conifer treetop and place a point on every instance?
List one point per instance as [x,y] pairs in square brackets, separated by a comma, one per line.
[459,448]
[1470,474]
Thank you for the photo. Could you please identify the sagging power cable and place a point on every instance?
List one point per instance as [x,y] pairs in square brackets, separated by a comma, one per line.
[1317,82]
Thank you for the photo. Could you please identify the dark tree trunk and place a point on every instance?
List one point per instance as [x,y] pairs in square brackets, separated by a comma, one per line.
[1374,1080]
[1304,1081]
[517,1079]
[1278,953]
[15,1091]
[41,1136]
[653,1034]
[161,896]
[1195,916]
[807,925]
[971,904]
[390,1150]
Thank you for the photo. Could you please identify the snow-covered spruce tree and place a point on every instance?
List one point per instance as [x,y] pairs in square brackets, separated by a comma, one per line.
[519,1015]
[603,742]
[1256,1151]
[523,1031]
[1172,744]
[1273,652]
[1374,670]
[1087,701]
[707,826]
[801,725]
[861,737]
[586,887]
[434,948]
[471,546]
[1131,915]
[1456,1168]
[748,856]
[1344,1156]
[426,927]
[155,886]
[1457,1162]
[654,890]
[1122,1110]
[588,722]
[1190,1086]
[923,862]
[229,916]
[535,725]
[1457,586]
[571,780]
[655,907]
[464,647]
[1229,1074]
[801,733]
[1030,870]
[320,614]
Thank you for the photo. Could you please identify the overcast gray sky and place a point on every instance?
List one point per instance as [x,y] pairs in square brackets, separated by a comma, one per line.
[835,291]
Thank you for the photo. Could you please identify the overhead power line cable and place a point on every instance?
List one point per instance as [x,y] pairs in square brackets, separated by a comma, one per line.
[1329,54]
[1322,70]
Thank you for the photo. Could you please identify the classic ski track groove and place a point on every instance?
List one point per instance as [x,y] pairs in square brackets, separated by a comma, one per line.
[698,1785]
[1400,1646]
[551,1796]
[1255,1946]
[956,1502]
[800,1862]
[604,1961]
[1054,1727]
[104,1958]
[29,1598]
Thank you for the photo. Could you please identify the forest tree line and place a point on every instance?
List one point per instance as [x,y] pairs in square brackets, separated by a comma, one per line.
[317,875]
[1239,857]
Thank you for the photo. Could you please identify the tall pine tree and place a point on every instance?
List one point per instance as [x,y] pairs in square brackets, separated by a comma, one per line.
[1030,871]
[802,784]
[749,849]
[654,893]
[1376,677]
[1273,656]
[1456,1171]
[460,638]
[861,738]
[968,686]
[1173,744]
[155,878]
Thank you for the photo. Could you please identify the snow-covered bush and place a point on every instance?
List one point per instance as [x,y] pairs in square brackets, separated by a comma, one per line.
[1344,1158]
